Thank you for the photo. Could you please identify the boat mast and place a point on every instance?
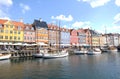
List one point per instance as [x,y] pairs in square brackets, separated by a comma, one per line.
[59,36]
[106,34]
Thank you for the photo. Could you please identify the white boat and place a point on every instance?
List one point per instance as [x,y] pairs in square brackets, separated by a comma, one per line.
[78,52]
[58,54]
[94,51]
[40,52]
[5,56]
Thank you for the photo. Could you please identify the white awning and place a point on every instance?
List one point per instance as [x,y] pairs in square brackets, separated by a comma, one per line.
[42,44]
[17,44]
[1,43]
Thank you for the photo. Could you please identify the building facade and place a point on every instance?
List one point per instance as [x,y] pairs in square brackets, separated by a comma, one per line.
[29,33]
[41,32]
[65,37]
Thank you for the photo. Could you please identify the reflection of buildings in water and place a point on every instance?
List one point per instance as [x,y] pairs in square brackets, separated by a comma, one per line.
[20,59]
[4,62]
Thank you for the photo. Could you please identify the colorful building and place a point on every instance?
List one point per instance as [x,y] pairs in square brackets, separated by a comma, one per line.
[41,32]
[81,37]
[73,37]
[29,33]
[54,35]
[11,31]
[65,37]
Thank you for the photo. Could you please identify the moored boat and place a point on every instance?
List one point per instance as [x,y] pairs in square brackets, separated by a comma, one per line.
[79,52]
[112,49]
[94,51]
[4,56]
[58,54]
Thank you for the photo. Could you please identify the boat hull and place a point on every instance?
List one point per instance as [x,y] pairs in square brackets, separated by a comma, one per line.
[3,57]
[50,56]
[38,55]
[80,52]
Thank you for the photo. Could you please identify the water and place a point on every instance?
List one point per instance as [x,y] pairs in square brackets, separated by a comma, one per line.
[104,66]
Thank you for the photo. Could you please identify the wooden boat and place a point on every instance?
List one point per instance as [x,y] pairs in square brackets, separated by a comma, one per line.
[94,51]
[4,56]
[112,49]
[58,54]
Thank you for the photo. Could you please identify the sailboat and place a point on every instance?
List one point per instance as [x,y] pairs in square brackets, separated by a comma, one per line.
[5,54]
[58,53]
[93,51]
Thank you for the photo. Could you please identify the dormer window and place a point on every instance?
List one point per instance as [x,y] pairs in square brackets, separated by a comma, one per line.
[7,26]
[32,28]
[19,27]
[27,28]
[0,25]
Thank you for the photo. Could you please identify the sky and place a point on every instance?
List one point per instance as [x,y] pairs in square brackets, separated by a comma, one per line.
[99,15]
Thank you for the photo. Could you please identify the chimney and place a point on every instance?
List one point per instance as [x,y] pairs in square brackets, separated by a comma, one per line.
[21,19]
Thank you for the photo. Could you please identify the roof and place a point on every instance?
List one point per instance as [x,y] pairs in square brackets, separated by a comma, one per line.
[2,21]
[40,24]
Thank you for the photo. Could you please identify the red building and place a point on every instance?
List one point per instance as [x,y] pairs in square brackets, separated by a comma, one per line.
[73,37]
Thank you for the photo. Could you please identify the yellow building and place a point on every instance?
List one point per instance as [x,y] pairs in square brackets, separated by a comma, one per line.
[96,40]
[11,31]
[41,32]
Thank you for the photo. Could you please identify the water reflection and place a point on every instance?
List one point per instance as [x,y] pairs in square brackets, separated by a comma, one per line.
[104,66]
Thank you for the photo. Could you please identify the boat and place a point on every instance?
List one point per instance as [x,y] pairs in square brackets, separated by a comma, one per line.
[104,48]
[94,51]
[82,51]
[4,56]
[58,54]
[112,49]
[39,53]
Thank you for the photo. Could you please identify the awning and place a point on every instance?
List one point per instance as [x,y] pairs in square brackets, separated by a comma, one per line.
[42,44]
[1,43]
[17,44]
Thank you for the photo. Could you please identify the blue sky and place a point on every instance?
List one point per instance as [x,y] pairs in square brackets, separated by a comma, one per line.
[95,14]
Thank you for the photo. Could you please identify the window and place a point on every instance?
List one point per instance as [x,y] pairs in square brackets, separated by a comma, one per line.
[25,37]
[10,37]
[19,27]
[11,26]
[18,32]
[2,31]
[27,28]
[1,37]
[6,26]
[15,38]
[15,32]
[6,37]
[0,25]
[18,38]
[6,31]
[32,28]
[11,32]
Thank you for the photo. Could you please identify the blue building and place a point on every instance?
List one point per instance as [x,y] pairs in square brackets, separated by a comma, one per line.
[65,37]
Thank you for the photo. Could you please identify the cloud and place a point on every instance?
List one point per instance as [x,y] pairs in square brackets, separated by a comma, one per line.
[4,7]
[63,17]
[5,18]
[95,3]
[6,2]
[24,7]
[117,19]
[117,2]
[80,24]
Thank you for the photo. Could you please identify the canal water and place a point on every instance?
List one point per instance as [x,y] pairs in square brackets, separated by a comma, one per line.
[104,66]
